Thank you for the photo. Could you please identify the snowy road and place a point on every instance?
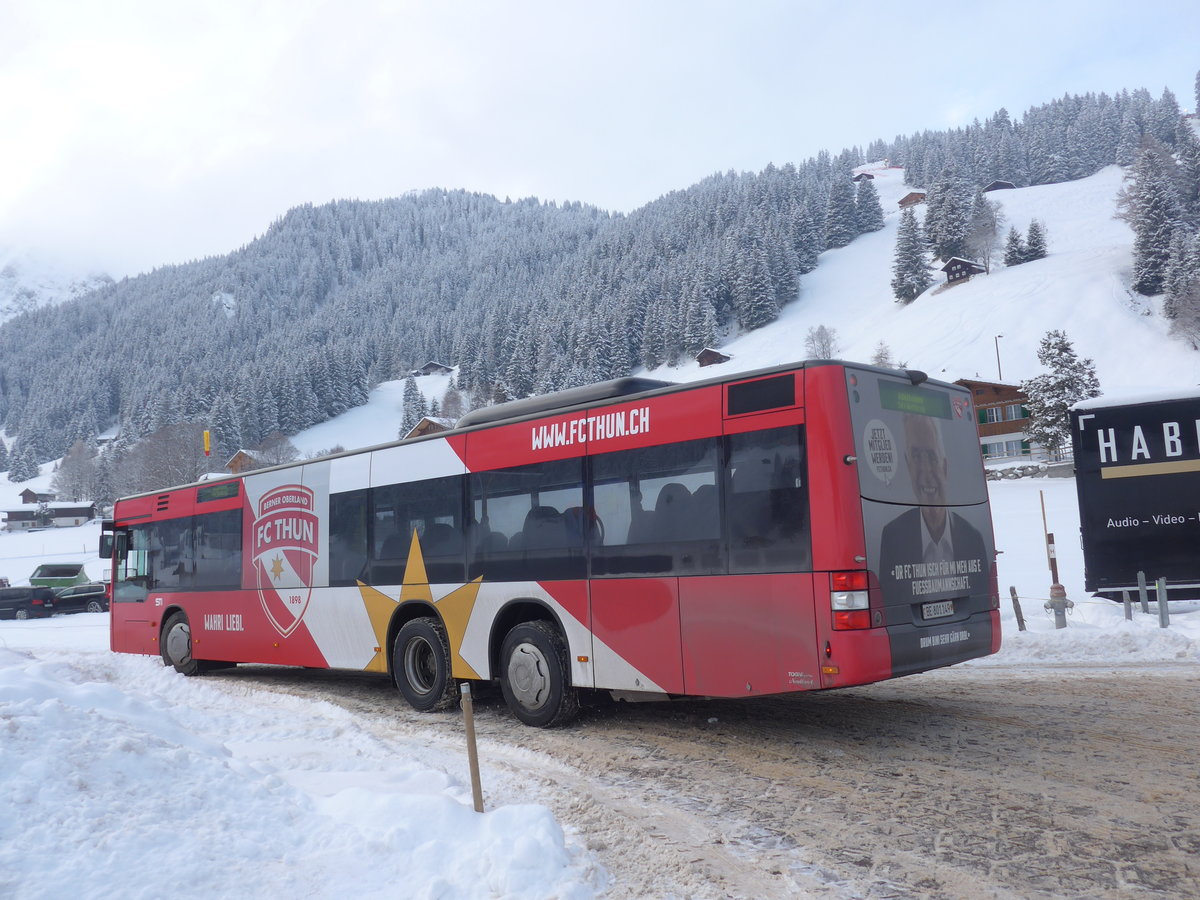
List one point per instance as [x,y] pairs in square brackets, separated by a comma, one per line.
[979,781]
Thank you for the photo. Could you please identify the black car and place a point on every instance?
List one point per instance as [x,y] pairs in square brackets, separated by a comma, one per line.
[26,602]
[81,598]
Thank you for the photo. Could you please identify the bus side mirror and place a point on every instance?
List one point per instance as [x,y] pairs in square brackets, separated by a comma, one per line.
[114,545]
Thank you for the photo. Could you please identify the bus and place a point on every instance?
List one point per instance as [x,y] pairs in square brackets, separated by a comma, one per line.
[804,527]
[1137,473]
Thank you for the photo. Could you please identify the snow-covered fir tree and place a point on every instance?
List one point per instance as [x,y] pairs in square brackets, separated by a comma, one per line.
[910,270]
[882,356]
[1151,206]
[1051,394]
[947,215]
[1035,243]
[413,407]
[22,463]
[867,209]
[1014,248]
[841,219]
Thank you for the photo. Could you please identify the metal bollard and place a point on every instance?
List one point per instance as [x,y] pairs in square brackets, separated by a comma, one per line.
[1164,617]
[1059,604]
[1145,601]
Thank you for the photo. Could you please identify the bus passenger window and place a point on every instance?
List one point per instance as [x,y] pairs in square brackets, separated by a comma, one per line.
[432,510]
[660,510]
[529,523]
[348,537]
[766,502]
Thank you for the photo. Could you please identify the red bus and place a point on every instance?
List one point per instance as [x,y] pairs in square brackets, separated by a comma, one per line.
[804,527]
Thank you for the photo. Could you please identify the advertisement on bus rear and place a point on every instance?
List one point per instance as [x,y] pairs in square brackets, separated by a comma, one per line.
[925,513]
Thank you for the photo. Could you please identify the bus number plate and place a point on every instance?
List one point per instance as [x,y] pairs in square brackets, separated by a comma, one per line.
[937,610]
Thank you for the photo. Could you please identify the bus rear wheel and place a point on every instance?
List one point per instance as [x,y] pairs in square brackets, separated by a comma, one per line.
[421,664]
[175,645]
[535,675]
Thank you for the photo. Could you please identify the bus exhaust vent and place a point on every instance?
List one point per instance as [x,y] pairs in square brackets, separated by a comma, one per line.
[164,500]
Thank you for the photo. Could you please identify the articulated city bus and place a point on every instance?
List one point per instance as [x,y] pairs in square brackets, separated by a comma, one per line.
[804,527]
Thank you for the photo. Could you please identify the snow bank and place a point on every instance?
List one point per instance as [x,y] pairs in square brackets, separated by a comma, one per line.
[121,779]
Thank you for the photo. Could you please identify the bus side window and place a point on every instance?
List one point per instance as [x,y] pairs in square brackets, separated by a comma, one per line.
[660,510]
[348,537]
[530,522]
[430,509]
[766,502]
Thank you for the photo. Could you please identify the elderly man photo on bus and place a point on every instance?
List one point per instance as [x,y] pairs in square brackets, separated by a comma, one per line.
[929,542]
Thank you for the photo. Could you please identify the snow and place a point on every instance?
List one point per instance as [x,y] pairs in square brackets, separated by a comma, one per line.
[120,778]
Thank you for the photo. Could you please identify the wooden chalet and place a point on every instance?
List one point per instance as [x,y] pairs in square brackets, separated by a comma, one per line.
[242,461]
[1002,418]
[432,368]
[1000,186]
[430,425]
[863,176]
[31,496]
[912,199]
[959,269]
[710,357]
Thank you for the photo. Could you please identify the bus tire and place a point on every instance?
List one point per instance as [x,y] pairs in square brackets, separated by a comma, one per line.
[421,664]
[175,644]
[535,676]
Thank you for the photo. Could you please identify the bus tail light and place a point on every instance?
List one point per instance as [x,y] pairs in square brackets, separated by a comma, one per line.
[850,601]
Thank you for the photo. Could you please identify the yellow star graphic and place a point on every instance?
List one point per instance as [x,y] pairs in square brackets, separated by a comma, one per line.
[276,568]
[455,607]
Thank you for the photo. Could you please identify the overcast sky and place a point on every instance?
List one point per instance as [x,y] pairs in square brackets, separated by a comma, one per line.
[135,134]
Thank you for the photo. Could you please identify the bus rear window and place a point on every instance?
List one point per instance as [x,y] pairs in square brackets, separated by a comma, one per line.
[916,445]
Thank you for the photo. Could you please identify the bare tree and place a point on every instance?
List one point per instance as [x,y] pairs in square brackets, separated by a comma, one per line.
[987,223]
[172,455]
[275,450]
[821,343]
[75,478]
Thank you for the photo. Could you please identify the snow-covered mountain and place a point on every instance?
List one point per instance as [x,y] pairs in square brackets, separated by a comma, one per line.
[987,328]
[28,281]
[1082,286]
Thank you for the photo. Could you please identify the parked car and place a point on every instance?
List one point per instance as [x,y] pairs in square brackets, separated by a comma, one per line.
[54,575]
[91,597]
[26,602]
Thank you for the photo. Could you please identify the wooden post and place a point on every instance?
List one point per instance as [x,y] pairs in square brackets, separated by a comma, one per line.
[472,753]
[1128,606]
[1012,591]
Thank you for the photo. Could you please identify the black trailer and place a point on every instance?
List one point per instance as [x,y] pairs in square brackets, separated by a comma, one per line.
[1137,470]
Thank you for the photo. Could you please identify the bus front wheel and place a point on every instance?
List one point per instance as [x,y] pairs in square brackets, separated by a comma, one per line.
[421,663]
[176,645]
[535,675]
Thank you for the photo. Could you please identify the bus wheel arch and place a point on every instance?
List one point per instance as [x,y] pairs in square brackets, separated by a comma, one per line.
[535,674]
[175,643]
[422,664]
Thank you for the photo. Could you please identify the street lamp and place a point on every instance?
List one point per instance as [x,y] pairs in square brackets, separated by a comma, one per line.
[999,374]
